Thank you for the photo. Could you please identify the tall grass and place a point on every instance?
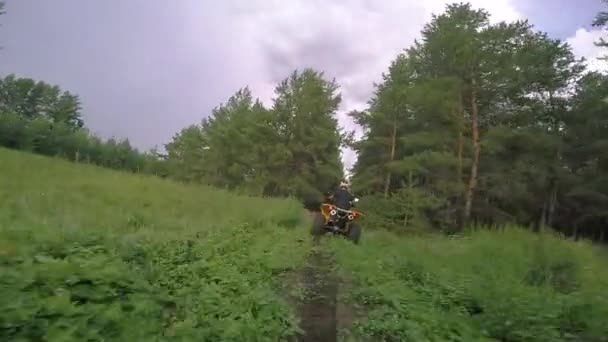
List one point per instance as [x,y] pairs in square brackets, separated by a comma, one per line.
[510,285]
[91,254]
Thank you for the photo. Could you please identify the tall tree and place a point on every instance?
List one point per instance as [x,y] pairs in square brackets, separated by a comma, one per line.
[244,149]
[409,130]
[452,49]
[36,99]
[547,71]
[585,202]
[305,119]
[383,123]
[185,154]
[499,86]
[462,45]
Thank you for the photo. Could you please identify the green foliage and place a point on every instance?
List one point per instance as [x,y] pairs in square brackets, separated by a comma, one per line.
[38,117]
[291,149]
[185,154]
[30,99]
[87,253]
[479,122]
[155,260]
[77,290]
[487,123]
[508,285]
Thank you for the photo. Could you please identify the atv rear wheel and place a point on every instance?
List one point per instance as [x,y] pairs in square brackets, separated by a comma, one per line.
[354,233]
[318,225]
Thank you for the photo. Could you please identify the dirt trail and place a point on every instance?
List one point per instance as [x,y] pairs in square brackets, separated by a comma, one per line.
[324,316]
[318,311]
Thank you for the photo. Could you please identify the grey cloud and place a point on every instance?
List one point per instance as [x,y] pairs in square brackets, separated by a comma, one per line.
[143,69]
[359,92]
[327,51]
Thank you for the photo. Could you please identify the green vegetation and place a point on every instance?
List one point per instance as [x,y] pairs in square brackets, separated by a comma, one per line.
[508,285]
[41,118]
[90,254]
[476,123]
[292,149]
[488,123]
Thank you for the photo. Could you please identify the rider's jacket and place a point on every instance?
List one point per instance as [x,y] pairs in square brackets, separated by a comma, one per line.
[342,198]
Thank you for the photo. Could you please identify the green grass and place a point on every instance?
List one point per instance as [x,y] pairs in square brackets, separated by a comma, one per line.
[91,254]
[510,285]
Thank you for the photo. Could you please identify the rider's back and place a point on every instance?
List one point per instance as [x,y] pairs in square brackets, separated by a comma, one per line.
[342,199]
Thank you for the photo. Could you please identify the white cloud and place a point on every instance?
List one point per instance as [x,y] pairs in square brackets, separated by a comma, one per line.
[582,43]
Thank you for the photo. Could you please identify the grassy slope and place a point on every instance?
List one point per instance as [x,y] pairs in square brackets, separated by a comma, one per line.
[87,252]
[506,286]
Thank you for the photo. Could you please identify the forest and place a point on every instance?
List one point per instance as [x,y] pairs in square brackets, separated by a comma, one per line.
[474,124]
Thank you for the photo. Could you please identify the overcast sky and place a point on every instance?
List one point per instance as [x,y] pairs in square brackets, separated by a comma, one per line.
[144,69]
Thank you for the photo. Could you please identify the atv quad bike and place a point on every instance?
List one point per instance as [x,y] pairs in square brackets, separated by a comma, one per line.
[338,222]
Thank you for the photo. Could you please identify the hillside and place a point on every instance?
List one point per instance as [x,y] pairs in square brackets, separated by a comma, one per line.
[89,253]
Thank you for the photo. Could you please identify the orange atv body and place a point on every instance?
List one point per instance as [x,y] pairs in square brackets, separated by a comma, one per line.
[338,221]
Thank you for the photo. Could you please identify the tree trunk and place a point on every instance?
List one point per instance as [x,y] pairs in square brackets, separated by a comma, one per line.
[387,183]
[460,148]
[543,217]
[553,180]
[409,211]
[476,151]
[459,153]
[460,117]
[552,203]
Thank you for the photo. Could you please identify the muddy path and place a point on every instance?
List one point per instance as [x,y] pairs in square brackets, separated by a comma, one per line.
[317,293]
[318,310]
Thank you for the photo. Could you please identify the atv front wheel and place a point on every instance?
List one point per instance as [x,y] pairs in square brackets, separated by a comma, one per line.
[318,225]
[354,233]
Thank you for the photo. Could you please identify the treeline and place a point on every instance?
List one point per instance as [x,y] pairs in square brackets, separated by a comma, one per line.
[38,117]
[486,123]
[475,123]
[290,149]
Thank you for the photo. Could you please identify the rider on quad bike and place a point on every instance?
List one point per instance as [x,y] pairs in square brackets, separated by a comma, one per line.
[342,198]
[337,217]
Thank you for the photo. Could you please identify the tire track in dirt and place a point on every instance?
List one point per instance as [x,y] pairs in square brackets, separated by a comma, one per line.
[318,310]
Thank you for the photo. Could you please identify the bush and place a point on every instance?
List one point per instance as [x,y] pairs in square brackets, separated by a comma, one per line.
[509,286]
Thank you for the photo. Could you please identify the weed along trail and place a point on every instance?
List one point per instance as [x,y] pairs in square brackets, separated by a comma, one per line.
[318,308]
[90,254]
